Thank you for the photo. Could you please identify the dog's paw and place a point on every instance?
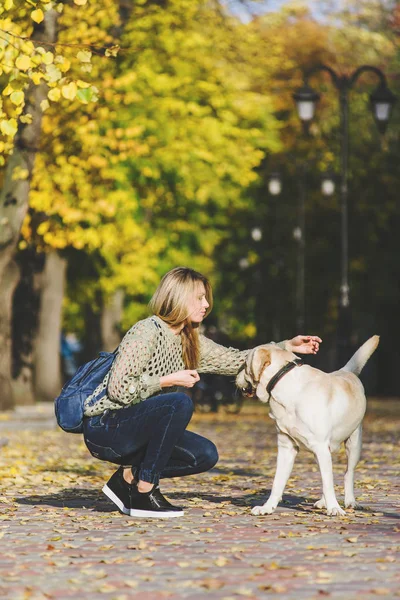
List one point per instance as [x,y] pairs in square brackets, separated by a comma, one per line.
[353,504]
[262,510]
[336,511]
[320,503]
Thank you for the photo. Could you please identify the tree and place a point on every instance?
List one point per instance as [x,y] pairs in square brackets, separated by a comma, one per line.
[33,74]
[138,181]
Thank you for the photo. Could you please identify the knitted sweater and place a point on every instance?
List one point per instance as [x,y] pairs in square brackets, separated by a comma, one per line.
[150,350]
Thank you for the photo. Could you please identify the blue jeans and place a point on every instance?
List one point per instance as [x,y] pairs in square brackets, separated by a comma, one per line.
[151,438]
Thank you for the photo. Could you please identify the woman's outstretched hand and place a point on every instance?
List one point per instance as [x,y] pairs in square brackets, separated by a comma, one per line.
[304,344]
[185,378]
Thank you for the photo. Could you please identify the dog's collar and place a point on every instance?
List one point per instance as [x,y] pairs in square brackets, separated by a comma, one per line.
[297,362]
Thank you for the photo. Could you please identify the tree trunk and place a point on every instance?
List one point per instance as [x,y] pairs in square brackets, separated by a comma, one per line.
[14,198]
[25,316]
[110,321]
[47,352]
[9,279]
[92,342]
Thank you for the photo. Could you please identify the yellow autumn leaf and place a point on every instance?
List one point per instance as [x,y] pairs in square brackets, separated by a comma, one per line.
[44,105]
[36,78]
[9,127]
[112,51]
[28,48]
[8,4]
[54,94]
[48,58]
[80,2]
[23,63]
[8,90]
[63,63]
[84,56]
[17,98]
[27,118]
[69,91]
[36,60]
[37,15]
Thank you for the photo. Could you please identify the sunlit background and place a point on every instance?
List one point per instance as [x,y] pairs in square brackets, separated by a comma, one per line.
[167,134]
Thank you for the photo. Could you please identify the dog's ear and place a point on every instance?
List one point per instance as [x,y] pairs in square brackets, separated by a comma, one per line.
[262,358]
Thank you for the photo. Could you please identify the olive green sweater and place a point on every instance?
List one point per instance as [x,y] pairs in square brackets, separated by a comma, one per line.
[150,350]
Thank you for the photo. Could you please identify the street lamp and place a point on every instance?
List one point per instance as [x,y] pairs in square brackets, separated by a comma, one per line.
[328,184]
[275,184]
[381,101]
[243,263]
[256,234]
[306,99]
[275,188]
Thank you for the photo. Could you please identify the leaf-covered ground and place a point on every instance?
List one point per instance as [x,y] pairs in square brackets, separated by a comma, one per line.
[61,538]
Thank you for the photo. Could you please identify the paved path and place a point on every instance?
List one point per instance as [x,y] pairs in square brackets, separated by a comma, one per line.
[61,538]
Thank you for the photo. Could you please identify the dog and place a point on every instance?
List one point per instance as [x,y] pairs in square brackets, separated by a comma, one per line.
[310,407]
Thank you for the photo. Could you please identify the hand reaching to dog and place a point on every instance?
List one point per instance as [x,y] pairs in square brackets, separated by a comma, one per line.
[304,344]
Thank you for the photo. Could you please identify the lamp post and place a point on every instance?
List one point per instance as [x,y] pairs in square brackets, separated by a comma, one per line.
[300,236]
[381,101]
[275,188]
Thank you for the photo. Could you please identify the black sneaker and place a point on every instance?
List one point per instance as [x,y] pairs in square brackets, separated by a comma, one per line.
[152,505]
[119,491]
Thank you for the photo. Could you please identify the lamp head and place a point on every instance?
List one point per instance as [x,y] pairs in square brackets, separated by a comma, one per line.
[382,101]
[328,183]
[306,99]
[275,184]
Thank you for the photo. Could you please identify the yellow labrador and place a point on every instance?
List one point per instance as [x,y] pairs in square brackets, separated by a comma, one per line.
[319,410]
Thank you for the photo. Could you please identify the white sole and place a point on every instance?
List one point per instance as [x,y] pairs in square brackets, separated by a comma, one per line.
[110,494]
[152,514]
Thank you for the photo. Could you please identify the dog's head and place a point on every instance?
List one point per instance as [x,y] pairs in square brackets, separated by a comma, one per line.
[261,364]
[249,375]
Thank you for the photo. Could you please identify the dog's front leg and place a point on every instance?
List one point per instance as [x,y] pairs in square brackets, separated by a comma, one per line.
[353,451]
[287,452]
[324,459]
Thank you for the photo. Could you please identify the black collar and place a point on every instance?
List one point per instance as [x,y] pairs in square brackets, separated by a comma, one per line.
[288,367]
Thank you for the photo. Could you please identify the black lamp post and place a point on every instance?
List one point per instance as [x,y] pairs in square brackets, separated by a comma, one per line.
[275,188]
[382,101]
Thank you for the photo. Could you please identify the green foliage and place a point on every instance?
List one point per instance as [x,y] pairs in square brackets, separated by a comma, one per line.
[142,177]
[159,154]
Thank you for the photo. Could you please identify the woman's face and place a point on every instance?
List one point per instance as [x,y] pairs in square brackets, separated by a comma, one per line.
[198,304]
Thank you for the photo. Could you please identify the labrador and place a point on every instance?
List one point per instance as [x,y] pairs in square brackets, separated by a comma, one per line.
[310,407]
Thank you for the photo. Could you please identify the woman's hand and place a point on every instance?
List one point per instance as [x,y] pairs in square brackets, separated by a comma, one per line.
[304,344]
[185,378]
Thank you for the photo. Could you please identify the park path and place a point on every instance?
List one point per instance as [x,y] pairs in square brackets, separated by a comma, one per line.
[61,538]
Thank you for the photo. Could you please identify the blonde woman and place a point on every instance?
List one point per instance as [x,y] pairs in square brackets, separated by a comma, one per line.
[141,423]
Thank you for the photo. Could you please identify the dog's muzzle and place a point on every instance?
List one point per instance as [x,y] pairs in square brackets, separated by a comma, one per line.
[249,391]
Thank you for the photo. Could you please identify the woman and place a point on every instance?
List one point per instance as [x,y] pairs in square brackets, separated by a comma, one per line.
[141,423]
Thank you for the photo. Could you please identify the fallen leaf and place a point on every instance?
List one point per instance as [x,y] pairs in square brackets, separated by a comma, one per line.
[212,584]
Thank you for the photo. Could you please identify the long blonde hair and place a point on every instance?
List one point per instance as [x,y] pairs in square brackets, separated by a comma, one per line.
[170,302]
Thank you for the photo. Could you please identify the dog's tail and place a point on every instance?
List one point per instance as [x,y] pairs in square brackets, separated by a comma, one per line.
[358,360]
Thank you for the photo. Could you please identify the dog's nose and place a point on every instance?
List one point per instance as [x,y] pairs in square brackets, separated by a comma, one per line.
[248,391]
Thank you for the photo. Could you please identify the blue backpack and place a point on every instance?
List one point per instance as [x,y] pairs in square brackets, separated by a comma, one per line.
[89,380]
